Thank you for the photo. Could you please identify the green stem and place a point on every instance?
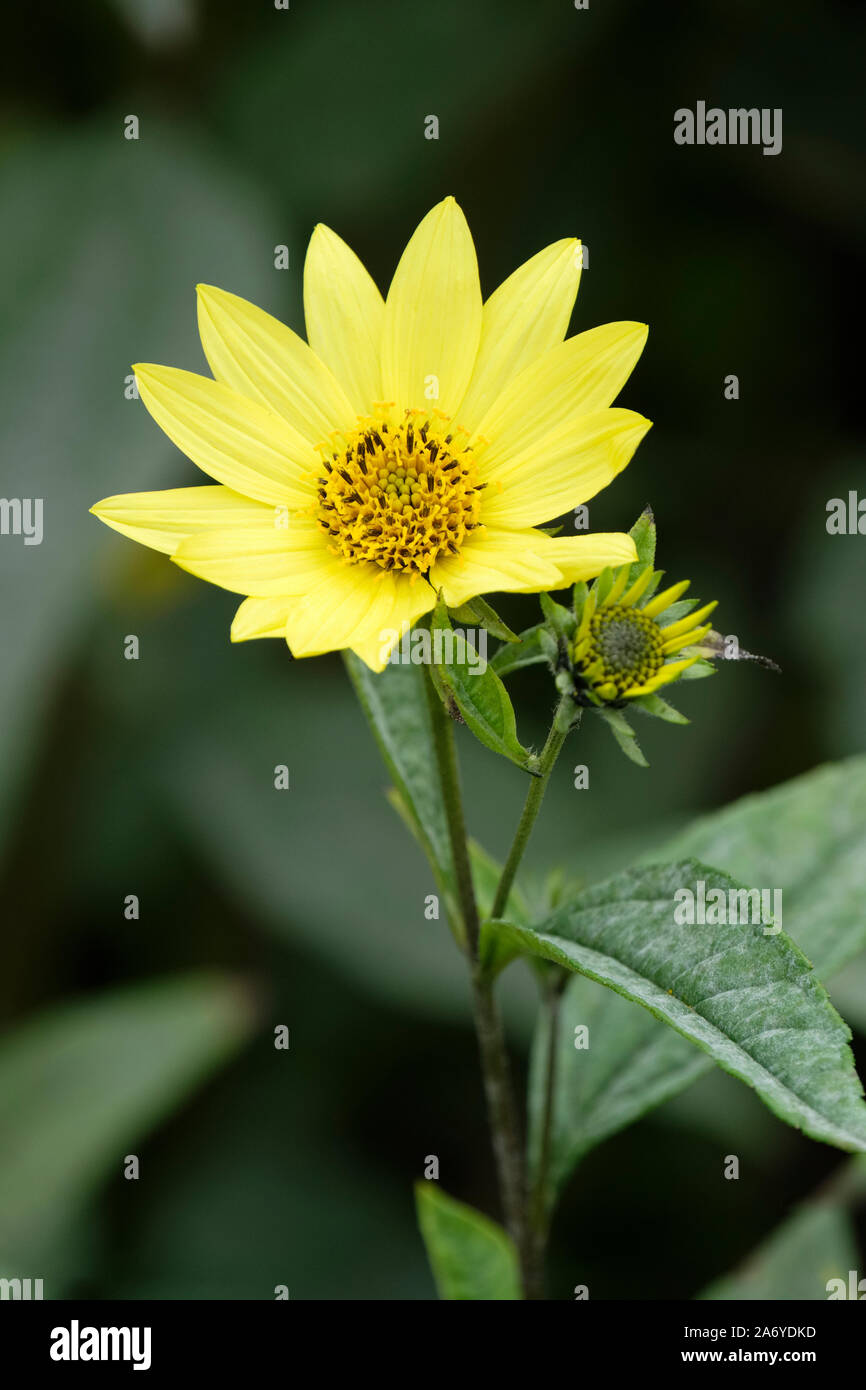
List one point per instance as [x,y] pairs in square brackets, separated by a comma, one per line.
[538,1200]
[562,722]
[449,777]
[496,1071]
[504,1127]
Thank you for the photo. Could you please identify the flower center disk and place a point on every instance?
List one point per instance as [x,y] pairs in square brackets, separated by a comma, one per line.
[625,649]
[399,493]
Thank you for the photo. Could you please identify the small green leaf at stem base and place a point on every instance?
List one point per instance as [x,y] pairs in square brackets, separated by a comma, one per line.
[472,1258]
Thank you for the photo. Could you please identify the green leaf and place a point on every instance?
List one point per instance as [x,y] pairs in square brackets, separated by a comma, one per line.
[698,671]
[477,610]
[560,620]
[395,705]
[676,611]
[632,1063]
[848,992]
[78,320]
[528,650]
[747,999]
[643,533]
[807,837]
[82,1085]
[624,735]
[470,1255]
[655,705]
[816,1244]
[481,699]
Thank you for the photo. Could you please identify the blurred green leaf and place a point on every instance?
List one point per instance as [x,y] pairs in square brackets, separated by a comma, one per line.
[323,866]
[814,1245]
[394,702]
[471,1257]
[632,1063]
[142,222]
[807,837]
[83,1085]
[848,992]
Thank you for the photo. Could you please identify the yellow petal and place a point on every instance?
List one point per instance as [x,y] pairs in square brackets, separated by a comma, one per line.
[260,617]
[686,639]
[564,469]
[163,519]
[261,358]
[668,673]
[574,378]
[584,557]
[433,315]
[661,601]
[496,560]
[264,561]
[634,593]
[345,313]
[615,592]
[374,646]
[691,620]
[357,606]
[525,317]
[237,442]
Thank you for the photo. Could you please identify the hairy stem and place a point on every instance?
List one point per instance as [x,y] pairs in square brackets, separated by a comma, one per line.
[562,721]
[539,1206]
[449,778]
[495,1067]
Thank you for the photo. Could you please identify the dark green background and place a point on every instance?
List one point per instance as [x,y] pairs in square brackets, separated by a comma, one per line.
[156,777]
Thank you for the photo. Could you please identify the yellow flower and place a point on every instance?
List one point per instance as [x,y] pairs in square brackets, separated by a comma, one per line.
[414,445]
[627,636]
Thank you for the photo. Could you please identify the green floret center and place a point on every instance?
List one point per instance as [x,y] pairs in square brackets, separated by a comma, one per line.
[626,648]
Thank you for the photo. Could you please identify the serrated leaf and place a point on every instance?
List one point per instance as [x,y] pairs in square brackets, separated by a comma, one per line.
[749,1000]
[482,700]
[395,705]
[809,838]
[526,651]
[472,1258]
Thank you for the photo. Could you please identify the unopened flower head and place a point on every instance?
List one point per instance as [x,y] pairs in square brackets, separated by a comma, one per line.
[630,642]
[414,445]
